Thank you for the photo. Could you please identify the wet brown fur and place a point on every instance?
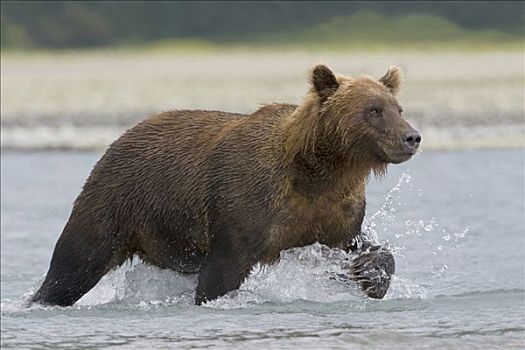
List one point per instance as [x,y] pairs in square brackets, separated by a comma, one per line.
[215,192]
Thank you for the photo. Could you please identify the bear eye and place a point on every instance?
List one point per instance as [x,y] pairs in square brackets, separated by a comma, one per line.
[374,111]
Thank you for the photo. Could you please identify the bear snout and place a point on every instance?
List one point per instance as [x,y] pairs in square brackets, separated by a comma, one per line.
[411,140]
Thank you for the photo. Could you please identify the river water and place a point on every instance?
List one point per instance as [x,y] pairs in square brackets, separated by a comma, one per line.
[455,220]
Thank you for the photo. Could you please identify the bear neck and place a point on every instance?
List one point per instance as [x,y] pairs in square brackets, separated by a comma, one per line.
[311,174]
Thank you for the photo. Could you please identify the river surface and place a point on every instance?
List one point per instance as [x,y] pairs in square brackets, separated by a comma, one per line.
[455,220]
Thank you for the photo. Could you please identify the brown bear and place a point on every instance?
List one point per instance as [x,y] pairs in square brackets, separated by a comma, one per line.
[214,193]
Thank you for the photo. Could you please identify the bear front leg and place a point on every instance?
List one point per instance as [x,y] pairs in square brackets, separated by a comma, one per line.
[223,271]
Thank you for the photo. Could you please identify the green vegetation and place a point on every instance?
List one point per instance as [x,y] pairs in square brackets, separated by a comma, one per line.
[206,25]
[374,30]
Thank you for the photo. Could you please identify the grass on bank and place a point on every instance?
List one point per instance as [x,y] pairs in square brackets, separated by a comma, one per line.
[374,30]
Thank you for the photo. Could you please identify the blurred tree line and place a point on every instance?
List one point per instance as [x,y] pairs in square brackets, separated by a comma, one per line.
[70,24]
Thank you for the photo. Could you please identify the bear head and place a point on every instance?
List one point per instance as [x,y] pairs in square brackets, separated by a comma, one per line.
[361,117]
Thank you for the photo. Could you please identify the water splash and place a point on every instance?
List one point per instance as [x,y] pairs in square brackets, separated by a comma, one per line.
[386,215]
[142,285]
[429,233]
[404,233]
[405,288]
[307,273]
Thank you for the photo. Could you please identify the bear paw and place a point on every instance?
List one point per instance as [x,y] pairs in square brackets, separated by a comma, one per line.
[372,270]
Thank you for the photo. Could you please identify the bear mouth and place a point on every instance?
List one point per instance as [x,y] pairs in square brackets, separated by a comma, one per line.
[400,157]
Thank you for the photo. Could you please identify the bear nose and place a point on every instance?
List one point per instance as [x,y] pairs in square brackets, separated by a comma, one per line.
[412,139]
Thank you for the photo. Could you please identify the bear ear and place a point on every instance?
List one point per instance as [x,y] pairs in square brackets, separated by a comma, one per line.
[323,81]
[392,79]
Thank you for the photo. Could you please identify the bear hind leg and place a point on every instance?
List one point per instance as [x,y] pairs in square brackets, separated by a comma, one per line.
[79,261]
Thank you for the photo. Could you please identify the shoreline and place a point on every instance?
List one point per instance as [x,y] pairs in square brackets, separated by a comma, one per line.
[77,101]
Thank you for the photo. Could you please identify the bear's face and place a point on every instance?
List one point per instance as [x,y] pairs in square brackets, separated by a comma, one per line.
[362,115]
